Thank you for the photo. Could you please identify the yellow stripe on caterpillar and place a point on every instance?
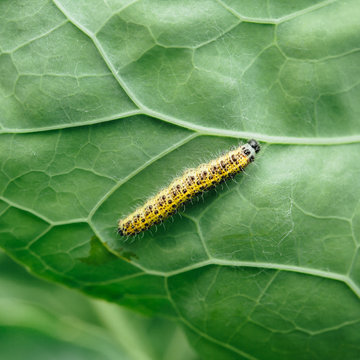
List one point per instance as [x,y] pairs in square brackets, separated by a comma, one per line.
[185,187]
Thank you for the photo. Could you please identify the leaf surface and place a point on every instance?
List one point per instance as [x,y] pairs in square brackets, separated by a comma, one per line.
[102,103]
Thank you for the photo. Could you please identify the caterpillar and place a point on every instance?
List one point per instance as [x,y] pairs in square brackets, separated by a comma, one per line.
[185,187]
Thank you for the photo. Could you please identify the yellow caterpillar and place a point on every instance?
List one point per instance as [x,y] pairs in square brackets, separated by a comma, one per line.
[191,183]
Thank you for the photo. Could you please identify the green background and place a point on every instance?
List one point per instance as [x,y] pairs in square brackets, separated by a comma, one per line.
[102,103]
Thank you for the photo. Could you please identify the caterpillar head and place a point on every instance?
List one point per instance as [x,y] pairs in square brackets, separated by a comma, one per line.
[254,144]
[250,149]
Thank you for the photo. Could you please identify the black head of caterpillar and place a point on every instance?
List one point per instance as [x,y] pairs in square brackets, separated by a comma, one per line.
[187,186]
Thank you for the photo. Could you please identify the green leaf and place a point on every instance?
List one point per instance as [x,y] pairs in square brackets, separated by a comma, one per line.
[102,103]
[39,320]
